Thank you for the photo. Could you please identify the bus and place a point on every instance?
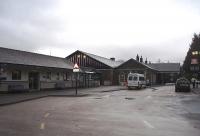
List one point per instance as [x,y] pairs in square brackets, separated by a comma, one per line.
[136,80]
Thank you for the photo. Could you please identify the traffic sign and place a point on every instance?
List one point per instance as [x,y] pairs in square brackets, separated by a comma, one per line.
[76,68]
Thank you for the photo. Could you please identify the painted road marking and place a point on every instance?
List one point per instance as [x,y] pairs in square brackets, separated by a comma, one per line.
[149,97]
[148,124]
[46,115]
[42,126]
[106,96]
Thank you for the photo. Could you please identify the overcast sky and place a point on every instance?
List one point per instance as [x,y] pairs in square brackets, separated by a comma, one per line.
[156,29]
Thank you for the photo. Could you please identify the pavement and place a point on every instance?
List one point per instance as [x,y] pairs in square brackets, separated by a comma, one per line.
[12,98]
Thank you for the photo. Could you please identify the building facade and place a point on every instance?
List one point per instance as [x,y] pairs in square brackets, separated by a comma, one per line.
[21,70]
[112,72]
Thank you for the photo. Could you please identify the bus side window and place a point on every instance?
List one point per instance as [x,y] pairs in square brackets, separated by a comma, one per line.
[130,78]
[141,78]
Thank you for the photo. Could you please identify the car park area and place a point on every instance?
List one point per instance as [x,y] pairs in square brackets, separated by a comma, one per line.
[149,112]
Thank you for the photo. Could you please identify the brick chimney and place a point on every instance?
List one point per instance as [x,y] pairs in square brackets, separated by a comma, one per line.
[137,57]
[141,59]
[113,59]
[146,61]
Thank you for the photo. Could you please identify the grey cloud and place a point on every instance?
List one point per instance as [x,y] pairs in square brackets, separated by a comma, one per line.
[29,24]
[33,24]
[173,51]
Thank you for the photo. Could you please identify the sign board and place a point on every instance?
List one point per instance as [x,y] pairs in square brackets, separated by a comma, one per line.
[76,68]
[194,61]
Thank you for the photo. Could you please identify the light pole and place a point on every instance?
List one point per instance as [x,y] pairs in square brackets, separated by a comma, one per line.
[76,69]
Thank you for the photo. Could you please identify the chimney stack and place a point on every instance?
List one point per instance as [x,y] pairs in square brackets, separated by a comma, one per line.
[141,59]
[137,57]
[146,61]
[113,59]
[149,62]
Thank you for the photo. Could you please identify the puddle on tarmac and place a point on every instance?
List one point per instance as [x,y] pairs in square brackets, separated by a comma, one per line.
[129,98]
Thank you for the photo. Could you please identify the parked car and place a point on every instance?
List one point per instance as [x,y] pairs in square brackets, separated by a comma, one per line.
[182,85]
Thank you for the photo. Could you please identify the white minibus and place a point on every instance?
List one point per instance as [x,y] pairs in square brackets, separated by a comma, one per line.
[136,80]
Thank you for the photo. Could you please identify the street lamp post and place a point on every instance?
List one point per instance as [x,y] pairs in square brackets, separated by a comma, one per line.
[76,83]
[76,69]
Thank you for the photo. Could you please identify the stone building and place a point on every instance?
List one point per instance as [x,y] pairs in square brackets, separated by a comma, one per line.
[112,72]
[20,70]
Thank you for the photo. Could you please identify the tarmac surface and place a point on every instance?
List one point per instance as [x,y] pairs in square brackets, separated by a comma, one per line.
[157,111]
[12,98]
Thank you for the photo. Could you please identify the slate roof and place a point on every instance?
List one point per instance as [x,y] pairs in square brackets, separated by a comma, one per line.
[165,67]
[27,58]
[145,65]
[108,62]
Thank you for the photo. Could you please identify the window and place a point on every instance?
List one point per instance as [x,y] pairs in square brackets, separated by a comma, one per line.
[122,78]
[192,68]
[135,78]
[141,78]
[65,76]
[58,76]
[16,75]
[48,76]
[195,53]
[130,78]
[196,68]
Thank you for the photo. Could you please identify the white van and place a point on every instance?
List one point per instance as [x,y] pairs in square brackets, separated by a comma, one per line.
[136,80]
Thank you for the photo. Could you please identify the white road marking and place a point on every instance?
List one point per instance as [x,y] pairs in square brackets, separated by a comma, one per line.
[149,97]
[148,124]
[42,126]
[46,115]
[106,96]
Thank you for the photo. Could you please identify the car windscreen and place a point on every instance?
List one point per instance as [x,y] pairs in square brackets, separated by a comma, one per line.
[135,78]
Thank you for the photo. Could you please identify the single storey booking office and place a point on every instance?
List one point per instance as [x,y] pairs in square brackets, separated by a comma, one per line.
[21,70]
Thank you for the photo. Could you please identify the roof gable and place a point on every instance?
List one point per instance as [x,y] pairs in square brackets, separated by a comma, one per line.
[108,62]
[132,64]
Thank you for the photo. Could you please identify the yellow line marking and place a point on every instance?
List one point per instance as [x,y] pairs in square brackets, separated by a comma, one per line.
[46,115]
[42,126]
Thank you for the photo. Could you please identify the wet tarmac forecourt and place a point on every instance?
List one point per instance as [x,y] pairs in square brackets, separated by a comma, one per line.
[146,112]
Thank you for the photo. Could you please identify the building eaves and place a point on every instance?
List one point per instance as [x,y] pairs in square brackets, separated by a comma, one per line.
[166,67]
[12,56]
[145,65]
[106,61]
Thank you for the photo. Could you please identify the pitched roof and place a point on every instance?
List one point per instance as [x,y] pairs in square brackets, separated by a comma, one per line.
[108,62]
[166,67]
[34,59]
[137,62]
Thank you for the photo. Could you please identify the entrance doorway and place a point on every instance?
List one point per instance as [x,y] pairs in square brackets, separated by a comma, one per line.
[34,80]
